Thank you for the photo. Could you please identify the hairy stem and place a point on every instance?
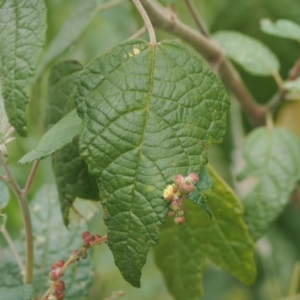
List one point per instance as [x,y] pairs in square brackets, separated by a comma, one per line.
[212,52]
[23,204]
[198,20]
[13,250]
[147,21]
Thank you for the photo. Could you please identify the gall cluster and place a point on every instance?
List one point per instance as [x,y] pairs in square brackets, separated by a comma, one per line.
[176,194]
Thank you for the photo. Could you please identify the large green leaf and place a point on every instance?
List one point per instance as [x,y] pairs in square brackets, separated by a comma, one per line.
[148,114]
[69,33]
[23,292]
[22,34]
[60,135]
[251,54]
[282,28]
[70,170]
[224,239]
[272,162]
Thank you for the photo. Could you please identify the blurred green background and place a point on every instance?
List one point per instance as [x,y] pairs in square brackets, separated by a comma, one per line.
[278,252]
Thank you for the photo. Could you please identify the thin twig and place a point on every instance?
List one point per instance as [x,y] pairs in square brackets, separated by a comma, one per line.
[109,5]
[139,33]
[3,177]
[147,21]
[197,18]
[31,177]
[73,258]
[13,250]
[23,203]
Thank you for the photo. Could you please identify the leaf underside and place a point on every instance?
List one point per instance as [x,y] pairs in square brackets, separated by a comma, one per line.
[253,56]
[22,35]
[282,28]
[22,292]
[223,239]
[272,163]
[148,112]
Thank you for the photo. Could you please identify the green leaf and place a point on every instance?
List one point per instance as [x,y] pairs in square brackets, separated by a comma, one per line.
[148,114]
[202,185]
[70,170]
[272,164]
[4,195]
[61,88]
[24,292]
[69,33]
[52,242]
[72,178]
[250,54]
[282,28]
[60,135]
[224,239]
[22,32]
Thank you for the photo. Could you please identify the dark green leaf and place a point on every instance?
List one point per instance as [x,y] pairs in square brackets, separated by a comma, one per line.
[61,88]
[24,292]
[272,166]
[4,195]
[148,114]
[22,34]
[224,239]
[70,170]
[251,54]
[69,33]
[60,135]
[202,185]
[72,178]
[282,28]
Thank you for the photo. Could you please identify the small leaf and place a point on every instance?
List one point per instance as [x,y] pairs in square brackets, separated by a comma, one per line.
[69,33]
[202,185]
[272,163]
[148,113]
[4,195]
[22,35]
[60,135]
[24,292]
[282,28]
[224,239]
[70,170]
[253,56]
